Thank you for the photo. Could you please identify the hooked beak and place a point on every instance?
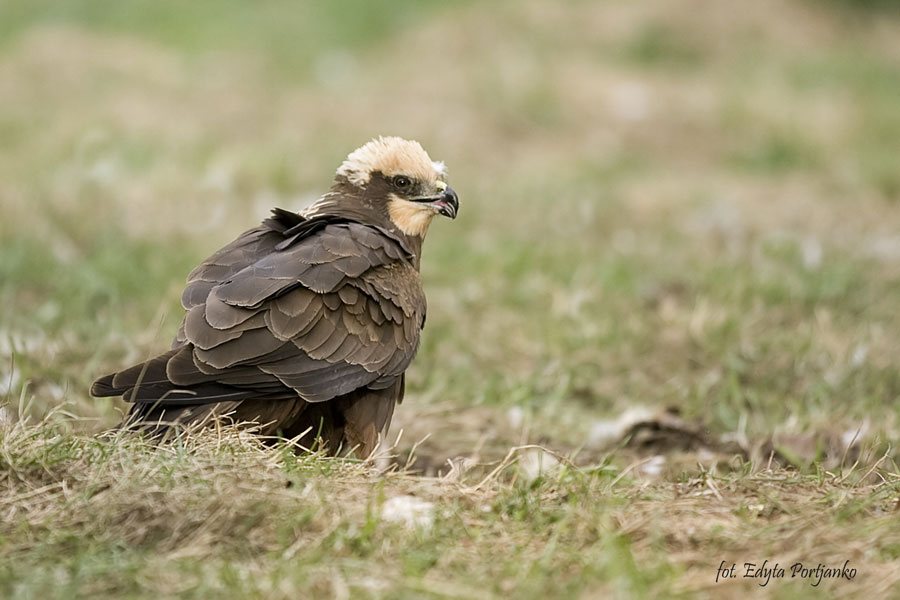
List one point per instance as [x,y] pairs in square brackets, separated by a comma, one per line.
[447,203]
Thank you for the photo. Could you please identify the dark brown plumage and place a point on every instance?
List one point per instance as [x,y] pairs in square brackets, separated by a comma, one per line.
[308,322]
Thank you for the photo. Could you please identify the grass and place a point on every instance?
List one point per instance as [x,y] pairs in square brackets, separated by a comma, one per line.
[675,268]
[224,515]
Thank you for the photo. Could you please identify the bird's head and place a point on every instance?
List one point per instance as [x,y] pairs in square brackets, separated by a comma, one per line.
[398,179]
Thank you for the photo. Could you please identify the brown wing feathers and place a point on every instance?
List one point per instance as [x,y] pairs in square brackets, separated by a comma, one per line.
[336,309]
[309,321]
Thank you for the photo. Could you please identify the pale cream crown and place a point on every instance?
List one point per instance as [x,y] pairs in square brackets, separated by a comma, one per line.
[391,156]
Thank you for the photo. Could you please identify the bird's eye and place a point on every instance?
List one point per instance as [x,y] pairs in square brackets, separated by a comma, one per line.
[402,182]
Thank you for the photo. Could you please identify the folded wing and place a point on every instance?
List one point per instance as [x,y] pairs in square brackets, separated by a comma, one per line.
[292,308]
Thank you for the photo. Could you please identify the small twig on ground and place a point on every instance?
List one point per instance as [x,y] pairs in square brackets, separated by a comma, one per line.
[511,458]
[884,457]
[627,470]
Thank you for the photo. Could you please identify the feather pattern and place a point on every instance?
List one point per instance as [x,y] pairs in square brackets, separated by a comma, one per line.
[303,324]
[345,299]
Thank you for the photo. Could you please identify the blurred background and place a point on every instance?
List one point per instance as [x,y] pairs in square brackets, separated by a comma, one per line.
[676,207]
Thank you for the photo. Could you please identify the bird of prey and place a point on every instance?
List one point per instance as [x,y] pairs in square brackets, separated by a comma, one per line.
[308,322]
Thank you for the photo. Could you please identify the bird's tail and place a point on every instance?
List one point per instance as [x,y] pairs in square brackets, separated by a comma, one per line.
[151,373]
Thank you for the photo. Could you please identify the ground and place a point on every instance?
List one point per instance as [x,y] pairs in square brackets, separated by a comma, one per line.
[662,333]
